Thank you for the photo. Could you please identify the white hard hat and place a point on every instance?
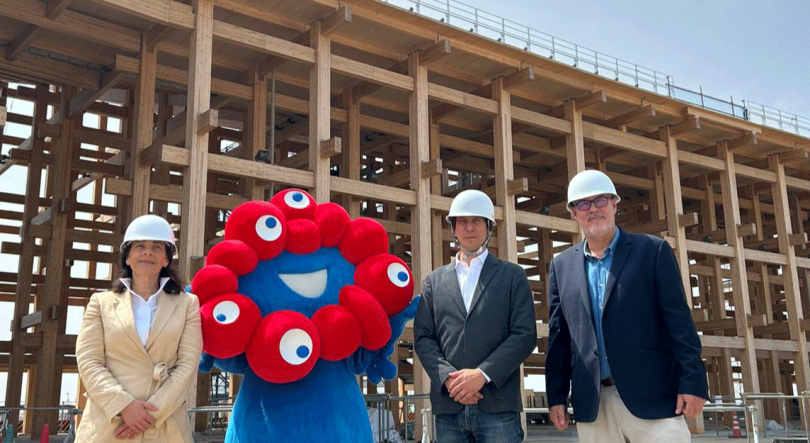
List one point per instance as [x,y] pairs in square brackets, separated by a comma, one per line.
[589,183]
[149,227]
[472,203]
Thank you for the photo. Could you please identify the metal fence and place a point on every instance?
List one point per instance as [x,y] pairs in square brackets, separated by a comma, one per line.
[472,19]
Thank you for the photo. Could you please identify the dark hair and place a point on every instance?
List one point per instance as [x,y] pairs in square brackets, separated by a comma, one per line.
[173,286]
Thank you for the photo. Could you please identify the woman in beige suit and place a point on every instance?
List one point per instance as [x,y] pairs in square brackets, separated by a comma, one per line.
[139,345]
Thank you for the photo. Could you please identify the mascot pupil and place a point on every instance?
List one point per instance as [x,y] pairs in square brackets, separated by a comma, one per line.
[300,299]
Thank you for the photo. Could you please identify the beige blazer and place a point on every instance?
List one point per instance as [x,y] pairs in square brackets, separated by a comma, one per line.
[117,369]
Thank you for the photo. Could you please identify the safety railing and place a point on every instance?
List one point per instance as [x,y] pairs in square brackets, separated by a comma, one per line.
[383,422]
[752,402]
[66,412]
[472,19]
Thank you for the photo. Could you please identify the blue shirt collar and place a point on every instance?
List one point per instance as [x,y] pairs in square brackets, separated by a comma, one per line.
[609,250]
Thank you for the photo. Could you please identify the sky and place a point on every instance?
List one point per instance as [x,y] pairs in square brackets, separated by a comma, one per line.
[746,49]
[757,50]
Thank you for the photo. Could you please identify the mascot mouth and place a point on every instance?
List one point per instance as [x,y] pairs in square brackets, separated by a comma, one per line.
[309,285]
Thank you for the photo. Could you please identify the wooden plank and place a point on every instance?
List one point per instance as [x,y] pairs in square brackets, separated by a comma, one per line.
[701,161]
[55,7]
[383,77]
[166,12]
[624,140]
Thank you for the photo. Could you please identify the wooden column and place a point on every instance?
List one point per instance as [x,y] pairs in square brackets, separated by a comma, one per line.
[717,296]
[437,222]
[421,259]
[49,363]
[350,165]
[25,267]
[504,171]
[790,275]
[143,125]
[674,203]
[739,274]
[574,147]
[319,110]
[195,176]
[256,130]
[162,171]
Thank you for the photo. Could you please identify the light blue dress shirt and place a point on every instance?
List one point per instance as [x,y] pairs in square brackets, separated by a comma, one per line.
[598,270]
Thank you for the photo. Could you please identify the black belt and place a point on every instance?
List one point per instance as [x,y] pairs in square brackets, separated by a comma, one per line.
[608,382]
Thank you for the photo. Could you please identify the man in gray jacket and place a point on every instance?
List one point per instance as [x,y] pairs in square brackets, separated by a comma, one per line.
[474,327]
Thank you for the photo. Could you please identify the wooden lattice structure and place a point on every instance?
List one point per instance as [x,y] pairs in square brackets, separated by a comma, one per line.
[390,114]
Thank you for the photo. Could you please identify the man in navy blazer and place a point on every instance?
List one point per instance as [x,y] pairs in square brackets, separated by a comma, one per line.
[474,327]
[620,332]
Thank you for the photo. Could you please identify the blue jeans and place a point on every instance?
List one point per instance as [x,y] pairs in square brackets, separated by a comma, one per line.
[472,425]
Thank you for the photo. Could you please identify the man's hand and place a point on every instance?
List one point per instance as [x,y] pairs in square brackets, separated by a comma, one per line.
[137,417]
[124,432]
[464,385]
[559,416]
[690,405]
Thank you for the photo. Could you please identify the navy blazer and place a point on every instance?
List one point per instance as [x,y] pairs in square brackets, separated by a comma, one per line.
[497,335]
[652,346]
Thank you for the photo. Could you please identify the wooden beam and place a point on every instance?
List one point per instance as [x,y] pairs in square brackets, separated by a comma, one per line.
[517,186]
[692,123]
[335,20]
[743,141]
[3,116]
[330,147]
[155,34]
[55,7]
[83,100]
[583,102]
[525,75]
[631,116]
[22,42]
[209,120]
[431,168]
[435,52]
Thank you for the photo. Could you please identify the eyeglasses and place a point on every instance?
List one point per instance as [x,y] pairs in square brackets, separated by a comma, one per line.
[599,202]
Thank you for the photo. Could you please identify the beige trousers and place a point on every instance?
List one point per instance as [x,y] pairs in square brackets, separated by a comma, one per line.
[615,424]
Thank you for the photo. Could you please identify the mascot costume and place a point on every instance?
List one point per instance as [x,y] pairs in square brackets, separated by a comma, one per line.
[300,299]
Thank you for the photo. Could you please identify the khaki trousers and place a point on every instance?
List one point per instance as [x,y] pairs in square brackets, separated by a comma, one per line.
[615,424]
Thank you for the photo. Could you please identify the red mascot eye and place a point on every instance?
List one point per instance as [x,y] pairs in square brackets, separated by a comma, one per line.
[268,228]
[296,200]
[398,274]
[284,348]
[228,322]
[259,225]
[295,346]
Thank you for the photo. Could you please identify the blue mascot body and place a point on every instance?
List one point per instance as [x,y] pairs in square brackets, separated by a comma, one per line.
[299,299]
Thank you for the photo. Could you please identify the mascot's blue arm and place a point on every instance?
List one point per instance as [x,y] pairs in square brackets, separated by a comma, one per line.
[376,364]
[233,365]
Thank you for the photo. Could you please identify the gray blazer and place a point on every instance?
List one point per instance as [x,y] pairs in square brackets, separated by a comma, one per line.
[497,335]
